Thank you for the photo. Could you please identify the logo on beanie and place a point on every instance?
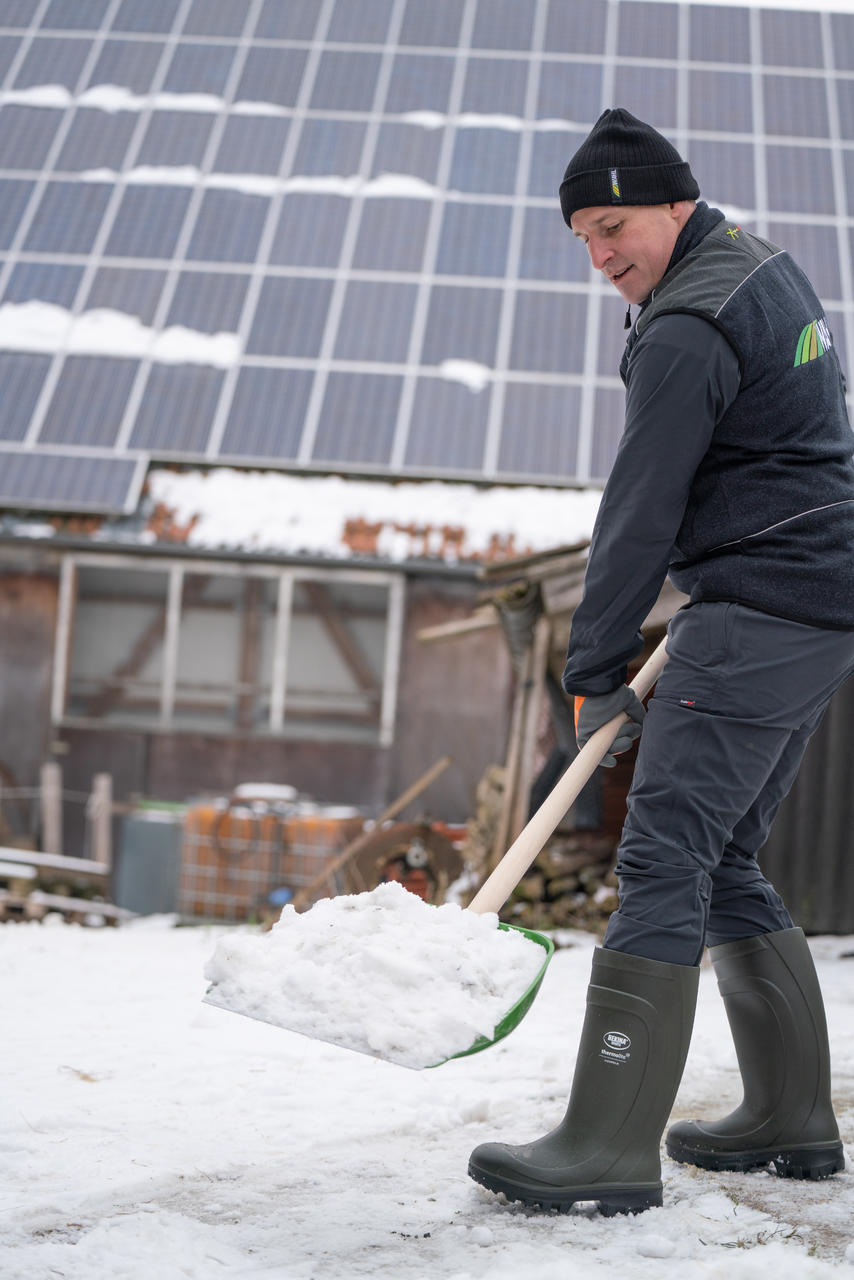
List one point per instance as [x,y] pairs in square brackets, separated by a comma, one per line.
[615,185]
[814,341]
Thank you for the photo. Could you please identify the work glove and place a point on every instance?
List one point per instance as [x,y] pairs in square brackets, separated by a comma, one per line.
[594,711]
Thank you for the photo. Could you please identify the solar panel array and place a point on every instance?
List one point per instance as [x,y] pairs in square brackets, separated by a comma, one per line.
[324,234]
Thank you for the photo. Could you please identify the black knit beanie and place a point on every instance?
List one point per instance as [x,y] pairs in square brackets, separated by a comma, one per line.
[624,161]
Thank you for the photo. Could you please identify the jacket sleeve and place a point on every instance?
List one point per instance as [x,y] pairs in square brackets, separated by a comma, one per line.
[682,375]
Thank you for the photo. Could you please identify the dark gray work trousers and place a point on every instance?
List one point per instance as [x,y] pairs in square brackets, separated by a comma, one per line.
[733,711]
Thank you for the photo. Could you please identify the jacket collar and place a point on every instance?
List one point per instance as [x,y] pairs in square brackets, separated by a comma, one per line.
[698,226]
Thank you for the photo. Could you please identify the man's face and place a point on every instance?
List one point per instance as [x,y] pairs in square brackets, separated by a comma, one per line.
[631,244]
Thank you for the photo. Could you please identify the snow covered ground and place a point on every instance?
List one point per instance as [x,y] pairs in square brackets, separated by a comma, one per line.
[144,1134]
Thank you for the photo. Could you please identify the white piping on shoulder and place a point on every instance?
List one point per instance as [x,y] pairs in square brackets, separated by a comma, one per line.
[779,254]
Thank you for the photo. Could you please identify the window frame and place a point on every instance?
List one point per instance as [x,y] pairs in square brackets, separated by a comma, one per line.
[286,577]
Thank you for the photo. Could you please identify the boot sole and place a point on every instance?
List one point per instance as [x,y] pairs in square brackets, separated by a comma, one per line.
[611,1200]
[814,1162]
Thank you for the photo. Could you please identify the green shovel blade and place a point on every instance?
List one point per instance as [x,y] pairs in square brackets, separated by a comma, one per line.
[515,1015]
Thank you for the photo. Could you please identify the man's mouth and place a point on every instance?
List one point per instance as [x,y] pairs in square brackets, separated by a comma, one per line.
[618,275]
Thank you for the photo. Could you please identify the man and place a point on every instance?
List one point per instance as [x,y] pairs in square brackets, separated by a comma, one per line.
[734,475]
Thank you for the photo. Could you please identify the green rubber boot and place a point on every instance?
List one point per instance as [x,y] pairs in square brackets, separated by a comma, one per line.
[776,1014]
[633,1047]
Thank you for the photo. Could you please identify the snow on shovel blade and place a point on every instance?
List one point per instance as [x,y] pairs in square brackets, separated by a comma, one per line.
[515,1015]
[457,1028]
[385,974]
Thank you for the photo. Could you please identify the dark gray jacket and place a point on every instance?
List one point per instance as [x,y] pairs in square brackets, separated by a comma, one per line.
[734,473]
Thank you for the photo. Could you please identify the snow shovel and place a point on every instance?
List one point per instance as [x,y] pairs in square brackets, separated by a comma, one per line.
[500,884]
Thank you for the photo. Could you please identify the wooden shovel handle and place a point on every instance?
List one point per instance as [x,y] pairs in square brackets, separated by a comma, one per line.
[495,891]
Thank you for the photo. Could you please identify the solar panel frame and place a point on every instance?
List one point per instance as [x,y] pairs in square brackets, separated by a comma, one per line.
[96,140]
[88,401]
[719,33]
[26,136]
[155,16]
[68,217]
[63,480]
[392,236]
[266,414]
[376,319]
[148,221]
[22,375]
[448,428]
[132,290]
[228,227]
[365,23]
[18,13]
[175,138]
[548,443]
[130,63]
[474,239]
[208,301]
[15,195]
[53,282]
[575,26]
[214,18]
[309,231]
[252,144]
[79,15]
[358,419]
[177,409]
[9,46]
[199,68]
[53,60]
[290,317]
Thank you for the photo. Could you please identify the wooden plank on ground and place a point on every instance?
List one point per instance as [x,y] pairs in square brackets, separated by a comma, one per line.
[55,862]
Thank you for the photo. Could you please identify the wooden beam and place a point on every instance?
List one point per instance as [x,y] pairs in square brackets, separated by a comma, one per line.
[151,635]
[75,906]
[250,651]
[101,818]
[536,565]
[530,724]
[50,803]
[342,637]
[480,620]
[55,862]
[511,765]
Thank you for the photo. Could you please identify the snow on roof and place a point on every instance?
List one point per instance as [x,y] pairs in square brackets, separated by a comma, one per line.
[445,522]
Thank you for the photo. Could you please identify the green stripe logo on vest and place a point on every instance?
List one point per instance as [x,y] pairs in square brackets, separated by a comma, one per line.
[814,341]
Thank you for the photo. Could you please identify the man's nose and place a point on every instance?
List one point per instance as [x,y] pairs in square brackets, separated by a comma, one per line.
[600,253]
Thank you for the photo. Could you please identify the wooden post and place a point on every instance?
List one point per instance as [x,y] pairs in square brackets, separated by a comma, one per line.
[539,657]
[511,766]
[101,818]
[50,803]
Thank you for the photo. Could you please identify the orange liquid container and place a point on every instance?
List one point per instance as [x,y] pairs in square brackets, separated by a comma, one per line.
[234,857]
